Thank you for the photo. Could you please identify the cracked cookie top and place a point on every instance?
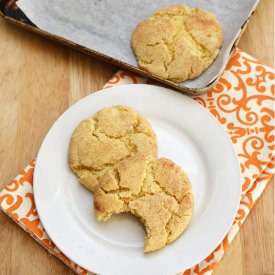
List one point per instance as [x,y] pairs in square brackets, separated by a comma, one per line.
[158,192]
[177,42]
[108,137]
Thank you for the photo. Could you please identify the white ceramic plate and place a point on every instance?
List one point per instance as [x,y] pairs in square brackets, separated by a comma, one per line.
[188,134]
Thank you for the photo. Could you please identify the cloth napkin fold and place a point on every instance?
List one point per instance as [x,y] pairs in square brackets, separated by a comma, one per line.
[242,102]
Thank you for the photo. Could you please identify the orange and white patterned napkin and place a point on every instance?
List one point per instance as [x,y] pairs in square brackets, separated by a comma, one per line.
[242,101]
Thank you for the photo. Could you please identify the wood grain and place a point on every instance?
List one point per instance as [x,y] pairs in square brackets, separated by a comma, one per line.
[39,80]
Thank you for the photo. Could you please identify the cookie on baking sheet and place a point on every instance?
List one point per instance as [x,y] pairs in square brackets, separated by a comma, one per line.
[177,42]
[156,191]
[111,135]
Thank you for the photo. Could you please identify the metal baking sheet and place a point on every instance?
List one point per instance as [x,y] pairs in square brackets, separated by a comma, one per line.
[105,26]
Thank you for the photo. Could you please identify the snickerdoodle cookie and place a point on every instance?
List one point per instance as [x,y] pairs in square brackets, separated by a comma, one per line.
[177,42]
[106,138]
[158,192]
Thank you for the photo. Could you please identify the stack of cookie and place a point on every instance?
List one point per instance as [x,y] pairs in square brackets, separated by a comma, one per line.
[114,155]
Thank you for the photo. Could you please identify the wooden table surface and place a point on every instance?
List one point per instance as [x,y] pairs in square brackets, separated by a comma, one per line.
[39,80]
